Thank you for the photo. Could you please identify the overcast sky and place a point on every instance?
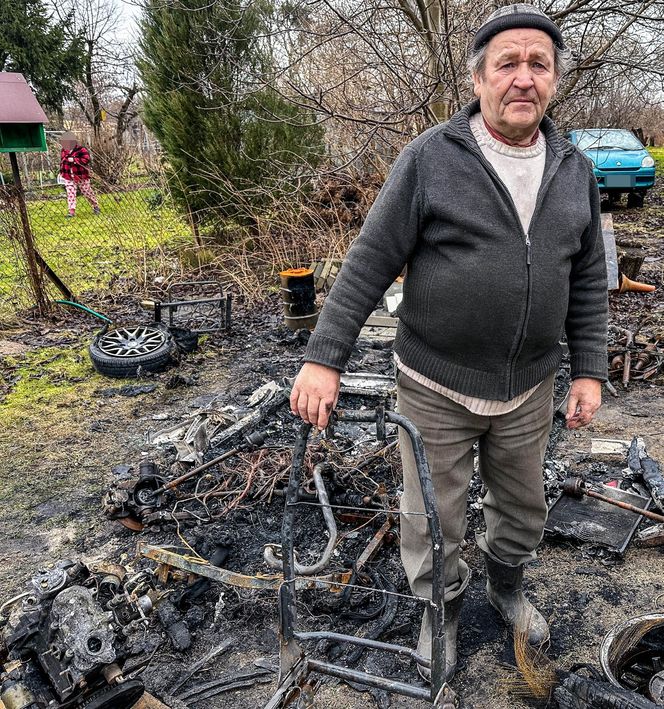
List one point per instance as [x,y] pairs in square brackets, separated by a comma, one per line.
[128,22]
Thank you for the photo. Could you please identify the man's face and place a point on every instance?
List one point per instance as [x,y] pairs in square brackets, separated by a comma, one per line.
[517,82]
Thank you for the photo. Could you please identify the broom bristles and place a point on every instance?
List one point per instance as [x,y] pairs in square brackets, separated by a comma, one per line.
[538,675]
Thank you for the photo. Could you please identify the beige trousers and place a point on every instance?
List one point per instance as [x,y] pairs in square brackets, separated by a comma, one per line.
[511,452]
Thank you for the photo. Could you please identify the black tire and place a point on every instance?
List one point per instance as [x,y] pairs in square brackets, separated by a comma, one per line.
[185,339]
[113,356]
[634,199]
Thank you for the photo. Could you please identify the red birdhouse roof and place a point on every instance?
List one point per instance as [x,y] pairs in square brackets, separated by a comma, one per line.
[17,102]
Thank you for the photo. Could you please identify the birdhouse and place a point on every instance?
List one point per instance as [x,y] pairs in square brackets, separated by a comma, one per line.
[21,117]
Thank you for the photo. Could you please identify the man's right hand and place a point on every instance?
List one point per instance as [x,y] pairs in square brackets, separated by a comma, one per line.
[315,393]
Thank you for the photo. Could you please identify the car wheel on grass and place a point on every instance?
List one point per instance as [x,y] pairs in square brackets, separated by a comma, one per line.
[122,352]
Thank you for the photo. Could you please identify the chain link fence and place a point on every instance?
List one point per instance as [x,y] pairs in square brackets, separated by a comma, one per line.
[132,239]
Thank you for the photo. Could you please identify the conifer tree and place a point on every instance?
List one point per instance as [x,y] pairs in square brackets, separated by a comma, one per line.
[230,143]
[32,43]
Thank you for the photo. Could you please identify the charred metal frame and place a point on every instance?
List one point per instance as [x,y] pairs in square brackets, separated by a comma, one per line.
[294,665]
[219,304]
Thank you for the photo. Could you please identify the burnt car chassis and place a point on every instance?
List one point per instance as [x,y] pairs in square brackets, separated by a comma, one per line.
[295,666]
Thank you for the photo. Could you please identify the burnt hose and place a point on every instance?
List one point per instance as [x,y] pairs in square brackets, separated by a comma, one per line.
[273,560]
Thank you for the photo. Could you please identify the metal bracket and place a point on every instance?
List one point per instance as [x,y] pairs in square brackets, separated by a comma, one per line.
[200,315]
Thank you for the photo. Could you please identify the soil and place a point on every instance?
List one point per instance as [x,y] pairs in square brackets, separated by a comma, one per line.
[73,433]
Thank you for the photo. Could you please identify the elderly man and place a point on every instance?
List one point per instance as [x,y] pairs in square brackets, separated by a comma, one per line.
[498,220]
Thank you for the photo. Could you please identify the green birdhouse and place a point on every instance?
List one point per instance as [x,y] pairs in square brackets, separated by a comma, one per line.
[21,117]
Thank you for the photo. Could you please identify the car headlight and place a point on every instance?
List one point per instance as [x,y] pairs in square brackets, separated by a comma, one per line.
[647,162]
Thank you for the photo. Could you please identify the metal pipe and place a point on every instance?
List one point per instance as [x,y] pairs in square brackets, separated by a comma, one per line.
[256,439]
[291,656]
[438,660]
[277,563]
[195,471]
[575,487]
[366,642]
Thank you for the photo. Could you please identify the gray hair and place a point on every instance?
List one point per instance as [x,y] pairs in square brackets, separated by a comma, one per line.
[563,61]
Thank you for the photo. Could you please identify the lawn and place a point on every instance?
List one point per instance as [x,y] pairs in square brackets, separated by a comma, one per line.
[89,252]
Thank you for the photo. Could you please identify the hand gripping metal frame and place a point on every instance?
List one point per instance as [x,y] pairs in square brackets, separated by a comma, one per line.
[295,666]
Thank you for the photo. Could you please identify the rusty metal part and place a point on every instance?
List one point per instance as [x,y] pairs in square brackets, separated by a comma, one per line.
[644,358]
[112,673]
[131,523]
[171,562]
[199,567]
[276,563]
[576,487]
[108,568]
[617,362]
[374,545]
[253,440]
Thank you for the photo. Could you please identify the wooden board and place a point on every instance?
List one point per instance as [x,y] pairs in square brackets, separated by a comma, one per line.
[610,253]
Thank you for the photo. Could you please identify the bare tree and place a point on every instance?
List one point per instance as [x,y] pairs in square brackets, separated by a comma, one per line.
[379,72]
[109,88]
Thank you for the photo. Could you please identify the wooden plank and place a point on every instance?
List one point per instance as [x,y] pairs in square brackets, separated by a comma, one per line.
[147,701]
[610,254]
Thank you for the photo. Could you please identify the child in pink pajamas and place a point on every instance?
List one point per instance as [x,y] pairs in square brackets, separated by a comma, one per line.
[74,159]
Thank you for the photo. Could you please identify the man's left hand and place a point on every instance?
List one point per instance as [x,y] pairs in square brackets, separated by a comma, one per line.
[585,397]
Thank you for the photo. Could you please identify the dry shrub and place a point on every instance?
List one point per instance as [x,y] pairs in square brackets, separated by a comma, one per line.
[111,161]
[318,225]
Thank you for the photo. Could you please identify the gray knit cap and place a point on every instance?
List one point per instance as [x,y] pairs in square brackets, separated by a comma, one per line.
[516,17]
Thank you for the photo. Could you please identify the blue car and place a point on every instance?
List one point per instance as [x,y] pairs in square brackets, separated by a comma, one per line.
[621,163]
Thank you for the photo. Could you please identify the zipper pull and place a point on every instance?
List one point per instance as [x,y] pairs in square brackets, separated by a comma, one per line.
[528,249]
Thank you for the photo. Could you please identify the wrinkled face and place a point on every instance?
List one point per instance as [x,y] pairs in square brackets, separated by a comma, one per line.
[517,82]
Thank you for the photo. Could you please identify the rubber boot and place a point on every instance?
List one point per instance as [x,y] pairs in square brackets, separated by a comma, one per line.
[452,613]
[504,587]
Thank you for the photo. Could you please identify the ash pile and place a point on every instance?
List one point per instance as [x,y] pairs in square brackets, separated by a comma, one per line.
[199,559]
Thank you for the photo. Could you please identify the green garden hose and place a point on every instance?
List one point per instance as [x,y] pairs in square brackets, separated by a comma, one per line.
[86,309]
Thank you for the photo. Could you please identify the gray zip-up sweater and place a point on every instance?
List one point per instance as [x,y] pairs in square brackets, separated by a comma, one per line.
[484,304]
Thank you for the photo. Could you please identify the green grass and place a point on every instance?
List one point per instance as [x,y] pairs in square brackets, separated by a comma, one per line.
[91,251]
[45,378]
[52,455]
[658,154]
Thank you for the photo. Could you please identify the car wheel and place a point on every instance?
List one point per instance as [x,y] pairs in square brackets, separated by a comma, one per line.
[122,352]
[635,199]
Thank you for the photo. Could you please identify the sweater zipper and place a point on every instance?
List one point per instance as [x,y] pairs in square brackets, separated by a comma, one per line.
[546,179]
[526,316]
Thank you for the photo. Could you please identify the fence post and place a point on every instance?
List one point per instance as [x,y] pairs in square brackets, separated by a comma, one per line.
[34,274]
